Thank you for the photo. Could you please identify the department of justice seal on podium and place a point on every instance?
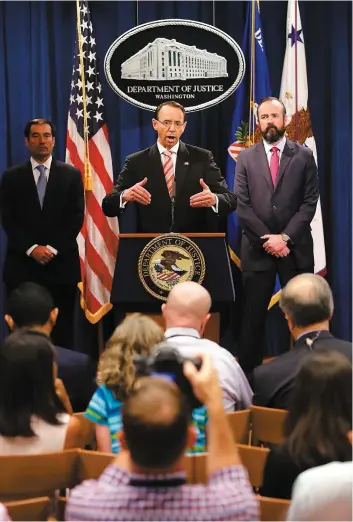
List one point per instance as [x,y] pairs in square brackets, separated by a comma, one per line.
[167,260]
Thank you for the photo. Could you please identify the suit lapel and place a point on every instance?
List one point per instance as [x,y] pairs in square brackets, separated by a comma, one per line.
[182,166]
[158,179]
[30,185]
[264,168]
[286,157]
[54,179]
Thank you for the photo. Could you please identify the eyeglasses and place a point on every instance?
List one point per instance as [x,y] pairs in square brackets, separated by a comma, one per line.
[169,123]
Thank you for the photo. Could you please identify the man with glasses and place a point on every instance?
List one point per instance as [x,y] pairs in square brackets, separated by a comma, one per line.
[175,187]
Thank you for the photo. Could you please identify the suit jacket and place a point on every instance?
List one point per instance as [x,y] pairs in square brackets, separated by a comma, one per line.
[78,373]
[273,381]
[287,208]
[192,164]
[56,224]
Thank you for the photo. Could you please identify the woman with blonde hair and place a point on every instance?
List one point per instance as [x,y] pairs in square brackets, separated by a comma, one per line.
[136,335]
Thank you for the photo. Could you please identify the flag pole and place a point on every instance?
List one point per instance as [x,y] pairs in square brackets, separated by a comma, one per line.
[296,71]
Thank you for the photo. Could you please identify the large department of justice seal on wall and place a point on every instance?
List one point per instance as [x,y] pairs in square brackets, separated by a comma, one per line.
[190,62]
[167,260]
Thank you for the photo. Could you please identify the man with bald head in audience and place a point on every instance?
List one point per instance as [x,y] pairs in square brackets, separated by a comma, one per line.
[148,481]
[307,304]
[186,313]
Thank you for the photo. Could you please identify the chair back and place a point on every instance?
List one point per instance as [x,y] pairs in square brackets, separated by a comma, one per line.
[91,464]
[254,460]
[273,508]
[239,422]
[30,509]
[267,425]
[28,476]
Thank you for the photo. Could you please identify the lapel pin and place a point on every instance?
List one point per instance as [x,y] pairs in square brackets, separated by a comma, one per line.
[186,163]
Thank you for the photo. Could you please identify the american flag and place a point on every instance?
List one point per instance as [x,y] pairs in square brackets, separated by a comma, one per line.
[87,148]
[167,276]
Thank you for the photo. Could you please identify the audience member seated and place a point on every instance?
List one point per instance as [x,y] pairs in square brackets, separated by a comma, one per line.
[307,303]
[147,481]
[136,335]
[323,493]
[31,306]
[186,313]
[318,424]
[31,416]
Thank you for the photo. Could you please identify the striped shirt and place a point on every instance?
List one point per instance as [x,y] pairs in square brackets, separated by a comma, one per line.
[105,409]
[227,496]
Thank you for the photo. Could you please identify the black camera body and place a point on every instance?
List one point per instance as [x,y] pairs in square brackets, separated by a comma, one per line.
[167,363]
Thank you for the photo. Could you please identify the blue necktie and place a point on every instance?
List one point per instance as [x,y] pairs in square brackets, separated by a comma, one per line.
[41,184]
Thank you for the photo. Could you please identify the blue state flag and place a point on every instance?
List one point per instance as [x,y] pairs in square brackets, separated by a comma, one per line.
[244,131]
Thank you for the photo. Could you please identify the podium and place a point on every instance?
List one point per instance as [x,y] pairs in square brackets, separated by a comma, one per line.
[129,294]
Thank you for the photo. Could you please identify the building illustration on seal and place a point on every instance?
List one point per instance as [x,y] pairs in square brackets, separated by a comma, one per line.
[165,60]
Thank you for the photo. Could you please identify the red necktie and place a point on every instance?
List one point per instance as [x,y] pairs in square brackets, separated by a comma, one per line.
[168,168]
[274,165]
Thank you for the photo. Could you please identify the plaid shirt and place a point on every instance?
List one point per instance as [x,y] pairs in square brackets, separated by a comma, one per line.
[227,496]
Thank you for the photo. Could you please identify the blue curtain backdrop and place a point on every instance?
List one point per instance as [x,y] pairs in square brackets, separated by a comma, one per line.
[36,48]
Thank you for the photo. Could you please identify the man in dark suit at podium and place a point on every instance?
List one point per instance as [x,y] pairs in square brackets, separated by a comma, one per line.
[177,187]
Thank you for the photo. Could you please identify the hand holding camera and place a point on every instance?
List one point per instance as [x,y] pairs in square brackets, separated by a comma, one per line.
[204,381]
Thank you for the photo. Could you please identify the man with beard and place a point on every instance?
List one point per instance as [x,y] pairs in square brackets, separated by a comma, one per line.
[172,171]
[277,191]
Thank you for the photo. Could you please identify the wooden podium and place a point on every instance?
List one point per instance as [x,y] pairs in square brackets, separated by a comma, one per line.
[129,295]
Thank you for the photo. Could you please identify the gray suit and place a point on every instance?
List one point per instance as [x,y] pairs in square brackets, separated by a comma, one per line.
[289,207]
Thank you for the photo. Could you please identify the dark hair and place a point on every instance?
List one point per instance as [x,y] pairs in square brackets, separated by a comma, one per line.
[153,440]
[271,98]
[174,104]
[39,121]
[30,305]
[26,382]
[307,299]
[320,411]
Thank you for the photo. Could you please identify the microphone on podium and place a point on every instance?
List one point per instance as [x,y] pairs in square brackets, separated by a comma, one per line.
[173,205]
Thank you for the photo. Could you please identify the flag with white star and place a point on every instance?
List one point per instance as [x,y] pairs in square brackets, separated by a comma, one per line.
[294,94]
[87,148]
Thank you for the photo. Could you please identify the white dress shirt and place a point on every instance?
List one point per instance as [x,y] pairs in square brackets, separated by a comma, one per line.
[36,174]
[323,493]
[280,146]
[174,150]
[237,394]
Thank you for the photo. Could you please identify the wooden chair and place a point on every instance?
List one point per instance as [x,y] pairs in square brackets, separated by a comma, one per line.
[30,509]
[239,422]
[267,425]
[91,464]
[87,432]
[253,459]
[28,476]
[273,508]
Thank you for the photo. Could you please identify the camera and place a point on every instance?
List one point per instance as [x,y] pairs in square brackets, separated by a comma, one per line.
[167,363]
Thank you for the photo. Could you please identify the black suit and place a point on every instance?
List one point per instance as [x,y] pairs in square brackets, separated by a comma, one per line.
[192,164]
[273,381]
[56,224]
[288,208]
[78,373]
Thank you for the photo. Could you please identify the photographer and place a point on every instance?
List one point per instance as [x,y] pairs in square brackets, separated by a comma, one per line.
[148,479]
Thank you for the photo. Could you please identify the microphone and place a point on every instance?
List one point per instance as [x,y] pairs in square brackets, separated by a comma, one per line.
[173,205]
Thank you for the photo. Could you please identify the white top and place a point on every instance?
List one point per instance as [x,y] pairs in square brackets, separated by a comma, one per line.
[323,493]
[48,438]
[237,394]
[4,516]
